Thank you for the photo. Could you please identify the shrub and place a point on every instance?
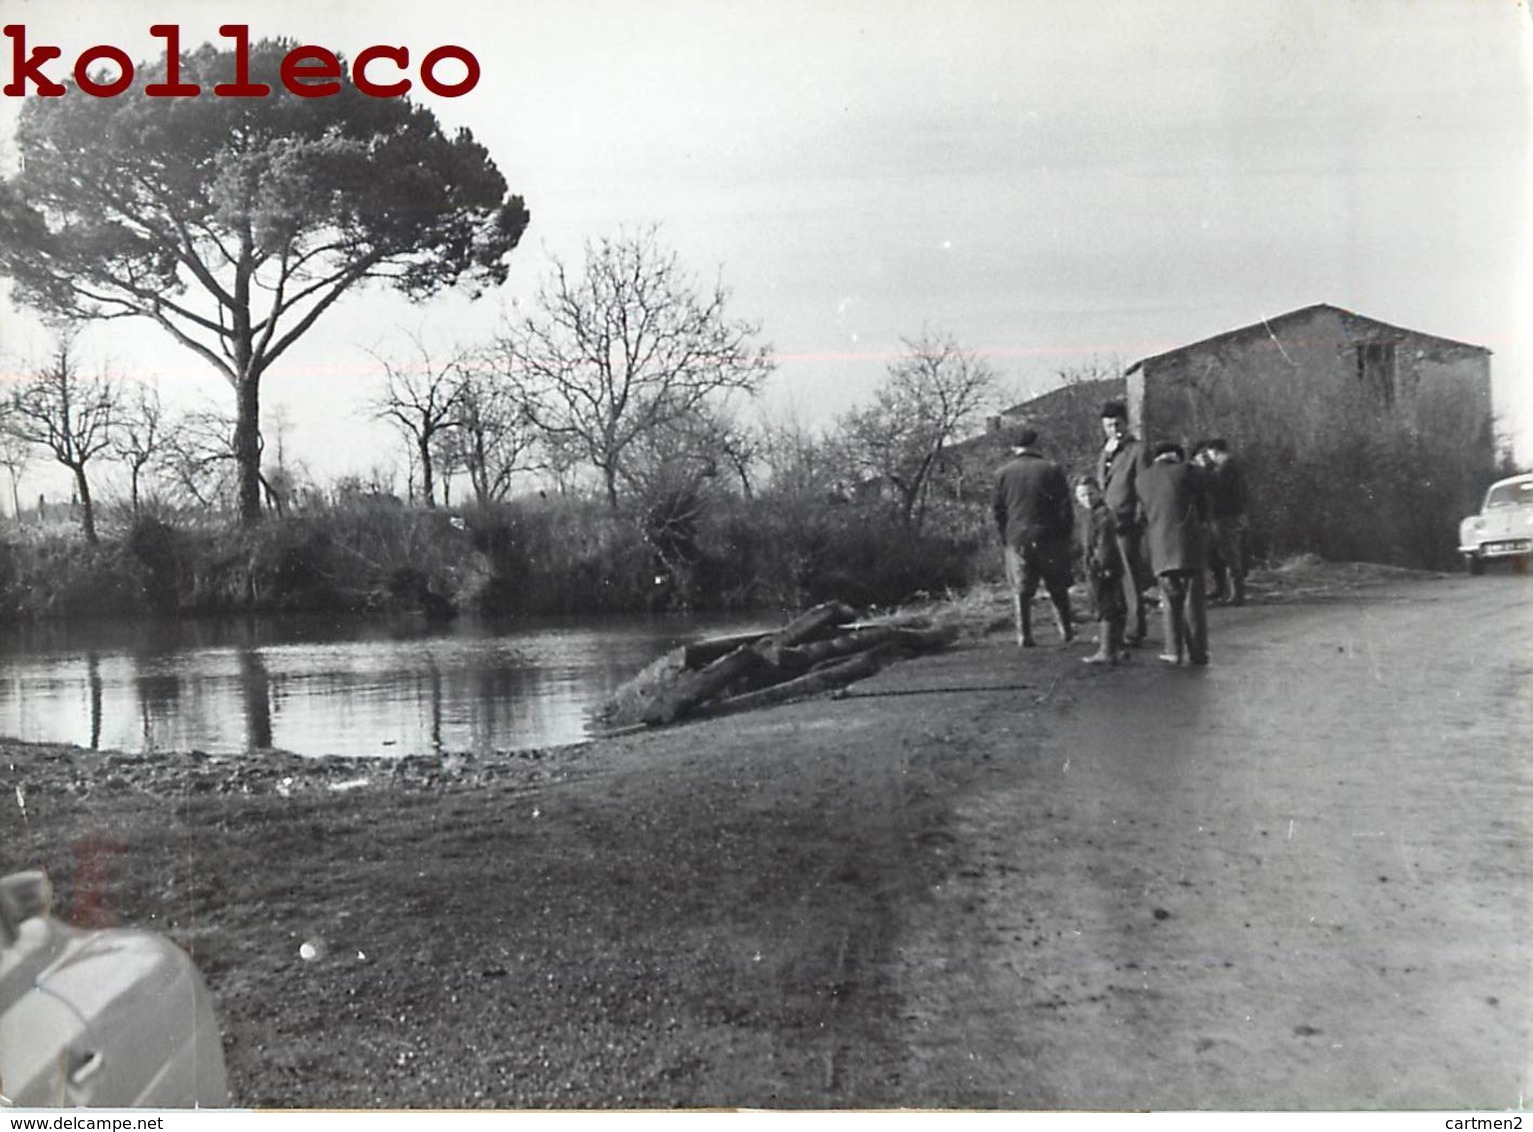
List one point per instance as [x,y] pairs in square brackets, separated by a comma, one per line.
[531,557]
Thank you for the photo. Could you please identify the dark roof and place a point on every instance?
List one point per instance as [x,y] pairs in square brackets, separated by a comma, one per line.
[1267,326]
[1064,396]
[1039,410]
[999,440]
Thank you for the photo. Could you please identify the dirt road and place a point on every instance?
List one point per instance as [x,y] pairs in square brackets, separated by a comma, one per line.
[1299,878]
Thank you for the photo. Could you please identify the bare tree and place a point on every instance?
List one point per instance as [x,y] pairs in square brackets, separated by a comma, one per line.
[629,348]
[448,460]
[493,428]
[928,398]
[740,447]
[200,460]
[419,399]
[70,416]
[283,480]
[139,438]
[15,455]
[801,463]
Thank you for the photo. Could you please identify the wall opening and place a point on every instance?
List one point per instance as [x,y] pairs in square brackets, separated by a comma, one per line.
[1376,370]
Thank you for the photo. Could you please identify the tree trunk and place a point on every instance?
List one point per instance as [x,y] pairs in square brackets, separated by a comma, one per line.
[247,448]
[428,487]
[87,512]
[479,471]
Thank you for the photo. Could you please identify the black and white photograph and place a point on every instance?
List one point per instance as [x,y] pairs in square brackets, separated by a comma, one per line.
[801,555]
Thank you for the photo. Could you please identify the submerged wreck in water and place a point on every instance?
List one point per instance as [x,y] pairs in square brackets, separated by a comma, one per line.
[821,650]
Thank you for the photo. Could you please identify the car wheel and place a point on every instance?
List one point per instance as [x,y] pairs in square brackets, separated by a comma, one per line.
[1474,564]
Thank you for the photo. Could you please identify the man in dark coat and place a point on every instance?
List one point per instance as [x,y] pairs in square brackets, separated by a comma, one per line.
[1171,491]
[1202,459]
[1118,467]
[1031,505]
[1227,522]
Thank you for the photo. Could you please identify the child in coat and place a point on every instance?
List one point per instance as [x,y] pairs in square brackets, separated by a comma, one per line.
[1104,573]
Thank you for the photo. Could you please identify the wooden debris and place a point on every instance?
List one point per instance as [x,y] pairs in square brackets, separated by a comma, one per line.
[832,674]
[820,650]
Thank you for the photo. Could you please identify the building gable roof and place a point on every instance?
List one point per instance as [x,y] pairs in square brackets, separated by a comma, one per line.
[1065,397]
[1042,411]
[1268,326]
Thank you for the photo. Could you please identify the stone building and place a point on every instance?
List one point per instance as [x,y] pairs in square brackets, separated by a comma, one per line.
[1303,372]
[1361,440]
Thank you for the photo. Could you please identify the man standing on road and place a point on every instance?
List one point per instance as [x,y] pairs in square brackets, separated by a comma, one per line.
[1227,523]
[1036,521]
[1175,509]
[1117,472]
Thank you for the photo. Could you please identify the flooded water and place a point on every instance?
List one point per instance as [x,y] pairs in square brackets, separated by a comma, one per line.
[325,686]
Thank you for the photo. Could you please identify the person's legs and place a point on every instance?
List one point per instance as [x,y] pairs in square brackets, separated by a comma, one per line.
[1235,556]
[1115,640]
[1054,562]
[1136,577]
[1173,591]
[1059,597]
[1107,599]
[1197,619]
[1216,564]
[1025,616]
[1110,648]
[1021,604]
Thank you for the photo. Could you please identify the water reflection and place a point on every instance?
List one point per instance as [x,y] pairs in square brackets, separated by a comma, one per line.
[323,686]
[93,680]
[255,683]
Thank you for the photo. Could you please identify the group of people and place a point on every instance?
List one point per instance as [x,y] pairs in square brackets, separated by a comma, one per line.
[1166,518]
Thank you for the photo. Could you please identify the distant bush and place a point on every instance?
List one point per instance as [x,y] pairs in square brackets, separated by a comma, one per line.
[64,576]
[792,551]
[562,556]
[1390,494]
[530,557]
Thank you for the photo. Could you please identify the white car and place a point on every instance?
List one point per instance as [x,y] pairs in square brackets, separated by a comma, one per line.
[115,1018]
[1504,527]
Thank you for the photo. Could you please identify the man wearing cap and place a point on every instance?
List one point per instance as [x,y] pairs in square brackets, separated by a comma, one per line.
[1117,471]
[1227,523]
[1033,513]
[1171,492]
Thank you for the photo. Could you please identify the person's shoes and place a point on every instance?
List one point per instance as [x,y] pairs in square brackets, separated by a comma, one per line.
[1123,656]
[1026,643]
[1064,623]
[1170,658]
[1200,661]
[1238,599]
[1100,658]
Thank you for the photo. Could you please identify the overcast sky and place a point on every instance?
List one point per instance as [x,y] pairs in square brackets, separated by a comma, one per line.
[1051,182]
